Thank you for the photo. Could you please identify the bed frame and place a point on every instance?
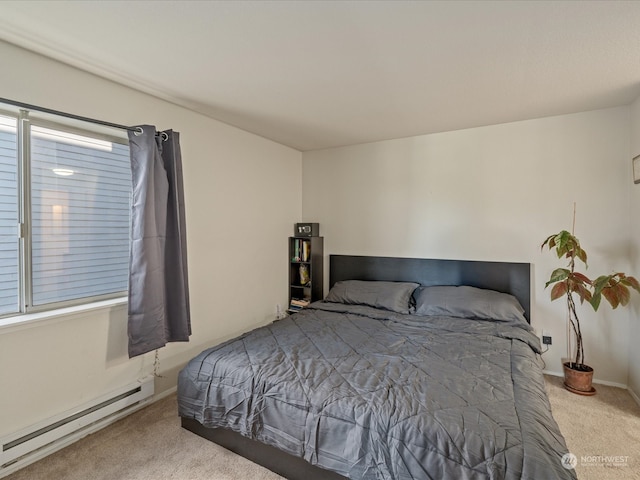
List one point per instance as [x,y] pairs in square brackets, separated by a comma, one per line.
[512,278]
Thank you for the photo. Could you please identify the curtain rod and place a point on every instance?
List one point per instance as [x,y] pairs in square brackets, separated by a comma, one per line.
[137,130]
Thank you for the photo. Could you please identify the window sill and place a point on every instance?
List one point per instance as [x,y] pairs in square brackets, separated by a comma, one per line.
[28,320]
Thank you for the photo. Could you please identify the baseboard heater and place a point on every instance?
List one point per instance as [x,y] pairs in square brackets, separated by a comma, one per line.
[56,432]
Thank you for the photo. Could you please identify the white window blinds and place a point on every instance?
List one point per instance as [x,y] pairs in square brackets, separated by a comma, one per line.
[9,246]
[80,210]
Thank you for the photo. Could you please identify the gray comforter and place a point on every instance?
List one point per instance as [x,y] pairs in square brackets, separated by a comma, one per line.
[376,395]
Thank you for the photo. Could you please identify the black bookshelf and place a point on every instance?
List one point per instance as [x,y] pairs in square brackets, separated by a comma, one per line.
[306,253]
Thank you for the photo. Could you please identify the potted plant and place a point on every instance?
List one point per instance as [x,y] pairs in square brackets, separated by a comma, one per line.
[615,288]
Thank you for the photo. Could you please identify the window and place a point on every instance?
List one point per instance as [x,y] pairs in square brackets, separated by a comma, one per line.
[9,247]
[64,215]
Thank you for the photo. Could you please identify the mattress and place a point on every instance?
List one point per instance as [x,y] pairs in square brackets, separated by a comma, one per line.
[373,394]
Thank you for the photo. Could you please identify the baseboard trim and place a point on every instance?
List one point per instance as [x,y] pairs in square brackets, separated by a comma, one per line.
[553,374]
[163,394]
[634,396]
[595,380]
[73,438]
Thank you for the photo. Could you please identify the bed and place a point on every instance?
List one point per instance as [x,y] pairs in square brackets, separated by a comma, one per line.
[409,369]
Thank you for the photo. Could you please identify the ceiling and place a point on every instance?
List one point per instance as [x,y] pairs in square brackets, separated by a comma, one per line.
[319,74]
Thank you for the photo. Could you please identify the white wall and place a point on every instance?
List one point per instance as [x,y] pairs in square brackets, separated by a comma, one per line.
[242,196]
[634,334]
[490,193]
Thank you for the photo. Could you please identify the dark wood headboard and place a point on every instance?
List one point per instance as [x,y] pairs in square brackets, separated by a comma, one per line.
[506,277]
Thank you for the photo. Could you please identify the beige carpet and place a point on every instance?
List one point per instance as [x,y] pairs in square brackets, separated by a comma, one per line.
[602,431]
[150,445]
[147,445]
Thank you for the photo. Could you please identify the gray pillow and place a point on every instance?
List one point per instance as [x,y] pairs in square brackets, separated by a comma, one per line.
[467,302]
[393,296]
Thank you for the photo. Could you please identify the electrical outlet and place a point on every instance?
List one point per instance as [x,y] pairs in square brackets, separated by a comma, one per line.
[546,339]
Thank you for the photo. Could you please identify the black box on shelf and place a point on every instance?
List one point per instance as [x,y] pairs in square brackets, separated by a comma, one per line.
[306,230]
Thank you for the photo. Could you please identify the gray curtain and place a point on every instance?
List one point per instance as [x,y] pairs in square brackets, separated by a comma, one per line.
[158,277]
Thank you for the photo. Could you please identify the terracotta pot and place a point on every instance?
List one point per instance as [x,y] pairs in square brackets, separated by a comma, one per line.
[578,380]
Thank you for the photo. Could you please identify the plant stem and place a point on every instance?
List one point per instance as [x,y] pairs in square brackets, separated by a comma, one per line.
[573,315]
[575,324]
